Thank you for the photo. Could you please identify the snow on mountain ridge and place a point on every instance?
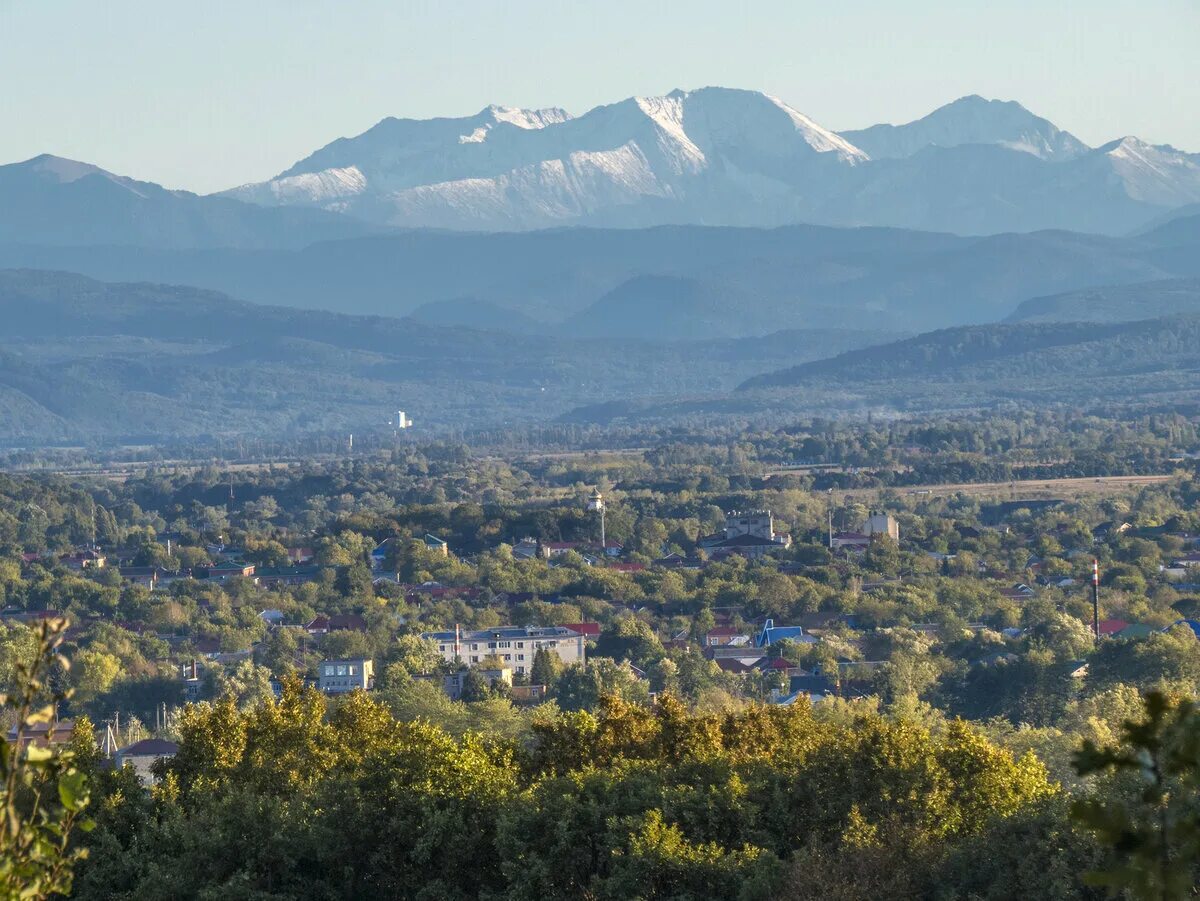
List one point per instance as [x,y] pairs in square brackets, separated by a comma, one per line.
[822,139]
[325,187]
[725,156]
[1157,174]
[528,118]
[667,113]
[971,120]
[614,157]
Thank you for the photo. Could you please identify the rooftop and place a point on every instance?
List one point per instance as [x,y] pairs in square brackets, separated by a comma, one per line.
[503,632]
[149,747]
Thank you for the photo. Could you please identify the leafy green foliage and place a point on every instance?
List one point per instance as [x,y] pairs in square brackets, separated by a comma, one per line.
[1151,819]
[345,801]
[42,793]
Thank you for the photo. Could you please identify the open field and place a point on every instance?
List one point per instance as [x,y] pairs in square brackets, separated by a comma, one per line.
[1064,488]
[122,472]
[1037,488]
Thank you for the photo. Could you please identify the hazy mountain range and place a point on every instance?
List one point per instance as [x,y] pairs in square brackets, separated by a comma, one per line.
[88,361]
[1150,365]
[82,360]
[665,283]
[717,156]
[699,241]
[713,156]
[53,201]
[1114,303]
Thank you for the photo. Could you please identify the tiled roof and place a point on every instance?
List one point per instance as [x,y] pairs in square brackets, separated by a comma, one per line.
[149,747]
[590,629]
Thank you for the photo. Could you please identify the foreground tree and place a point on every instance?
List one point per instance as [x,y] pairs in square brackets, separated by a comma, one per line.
[1149,813]
[42,793]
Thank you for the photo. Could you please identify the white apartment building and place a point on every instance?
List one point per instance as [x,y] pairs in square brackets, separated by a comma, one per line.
[515,645]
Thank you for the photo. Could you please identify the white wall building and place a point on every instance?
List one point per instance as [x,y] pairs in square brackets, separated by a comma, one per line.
[515,645]
[882,524]
[340,676]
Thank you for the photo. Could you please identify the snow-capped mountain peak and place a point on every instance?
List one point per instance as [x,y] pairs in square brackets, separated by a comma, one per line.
[527,118]
[718,155]
[1157,174]
[667,114]
[820,138]
[971,120]
[509,167]
[752,118]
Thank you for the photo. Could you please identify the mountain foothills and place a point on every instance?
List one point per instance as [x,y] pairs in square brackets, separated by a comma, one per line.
[1114,303]
[1151,361]
[747,281]
[712,309]
[82,360]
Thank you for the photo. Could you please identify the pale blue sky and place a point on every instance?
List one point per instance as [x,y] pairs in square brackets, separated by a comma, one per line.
[206,95]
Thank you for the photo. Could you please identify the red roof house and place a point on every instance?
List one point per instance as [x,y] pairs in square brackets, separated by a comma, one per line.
[1112,626]
[591,630]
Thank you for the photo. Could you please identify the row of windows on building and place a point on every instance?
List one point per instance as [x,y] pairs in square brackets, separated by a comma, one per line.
[494,645]
[474,658]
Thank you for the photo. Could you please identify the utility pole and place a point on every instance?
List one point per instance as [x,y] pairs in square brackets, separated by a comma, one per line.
[829,510]
[1096,599]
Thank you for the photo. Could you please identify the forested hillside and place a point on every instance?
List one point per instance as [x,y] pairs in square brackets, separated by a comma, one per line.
[791,277]
[1117,303]
[1056,362]
[89,361]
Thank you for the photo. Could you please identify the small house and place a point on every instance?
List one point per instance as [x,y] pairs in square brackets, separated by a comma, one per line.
[142,755]
[341,676]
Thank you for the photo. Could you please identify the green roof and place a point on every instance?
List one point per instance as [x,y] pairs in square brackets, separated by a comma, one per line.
[1137,630]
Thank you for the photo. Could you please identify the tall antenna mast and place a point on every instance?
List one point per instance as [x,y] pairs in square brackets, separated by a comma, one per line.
[1096,599]
[829,510]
